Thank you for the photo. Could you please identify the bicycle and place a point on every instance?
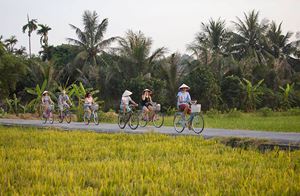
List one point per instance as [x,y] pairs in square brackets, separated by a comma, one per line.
[195,121]
[48,114]
[91,113]
[131,118]
[156,116]
[65,114]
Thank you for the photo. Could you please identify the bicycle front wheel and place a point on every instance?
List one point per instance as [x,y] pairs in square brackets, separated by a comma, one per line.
[96,118]
[86,118]
[122,120]
[51,117]
[61,117]
[134,121]
[198,123]
[142,119]
[178,122]
[158,119]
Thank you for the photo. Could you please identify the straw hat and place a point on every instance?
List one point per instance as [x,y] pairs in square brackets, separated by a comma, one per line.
[184,86]
[45,92]
[147,90]
[126,93]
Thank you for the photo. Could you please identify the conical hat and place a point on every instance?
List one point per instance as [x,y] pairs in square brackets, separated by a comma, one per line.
[126,93]
[184,86]
[45,92]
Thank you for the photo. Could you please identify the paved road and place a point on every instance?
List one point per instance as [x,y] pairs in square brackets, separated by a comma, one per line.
[277,137]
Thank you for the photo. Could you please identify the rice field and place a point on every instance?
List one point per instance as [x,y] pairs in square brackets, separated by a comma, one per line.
[37,162]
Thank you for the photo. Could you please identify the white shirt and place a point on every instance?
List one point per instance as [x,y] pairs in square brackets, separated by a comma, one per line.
[126,100]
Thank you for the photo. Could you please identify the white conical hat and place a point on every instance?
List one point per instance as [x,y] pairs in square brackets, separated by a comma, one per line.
[45,92]
[184,86]
[126,93]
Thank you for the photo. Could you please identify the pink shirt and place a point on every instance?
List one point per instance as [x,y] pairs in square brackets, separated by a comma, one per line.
[88,100]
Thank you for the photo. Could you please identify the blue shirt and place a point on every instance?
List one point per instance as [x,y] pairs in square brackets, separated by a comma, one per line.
[183,98]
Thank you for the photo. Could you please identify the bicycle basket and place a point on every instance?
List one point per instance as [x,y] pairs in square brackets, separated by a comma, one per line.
[157,107]
[95,107]
[196,108]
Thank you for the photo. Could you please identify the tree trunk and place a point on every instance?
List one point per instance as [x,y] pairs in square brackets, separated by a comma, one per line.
[29,45]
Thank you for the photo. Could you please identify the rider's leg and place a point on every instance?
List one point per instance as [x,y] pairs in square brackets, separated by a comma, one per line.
[145,113]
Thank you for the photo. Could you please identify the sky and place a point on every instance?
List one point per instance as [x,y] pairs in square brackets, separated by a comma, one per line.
[170,23]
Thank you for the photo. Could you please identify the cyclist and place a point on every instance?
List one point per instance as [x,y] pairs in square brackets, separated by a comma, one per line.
[88,102]
[146,103]
[46,102]
[183,101]
[63,100]
[125,100]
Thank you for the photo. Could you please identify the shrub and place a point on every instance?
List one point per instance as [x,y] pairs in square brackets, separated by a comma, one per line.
[294,111]
[265,111]
[213,113]
[234,113]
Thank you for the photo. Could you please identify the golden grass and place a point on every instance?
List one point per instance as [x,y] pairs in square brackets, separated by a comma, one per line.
[35,162]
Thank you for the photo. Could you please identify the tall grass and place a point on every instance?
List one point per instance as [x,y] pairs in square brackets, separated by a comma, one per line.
[249,122]
[85,163]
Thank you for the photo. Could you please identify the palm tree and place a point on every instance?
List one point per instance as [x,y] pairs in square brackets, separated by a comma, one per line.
[43,31]
[249,37]
[30,26]
[282,50]
[173,71]
[90,39]
[135,53]
[10,43]
[21,51]
[211,44]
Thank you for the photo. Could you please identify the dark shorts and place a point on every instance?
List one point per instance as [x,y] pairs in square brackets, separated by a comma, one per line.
[182,107]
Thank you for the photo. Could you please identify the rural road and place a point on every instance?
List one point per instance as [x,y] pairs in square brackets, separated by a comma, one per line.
[283,138]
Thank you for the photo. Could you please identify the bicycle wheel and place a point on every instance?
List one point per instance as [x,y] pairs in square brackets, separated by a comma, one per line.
[61,117]
[51,117]
[96,118]
[158,119]
[44,118]
[68,116]
[178,122]
[142,120]
[198,123]
[86,118]
[134,121]
[122,120]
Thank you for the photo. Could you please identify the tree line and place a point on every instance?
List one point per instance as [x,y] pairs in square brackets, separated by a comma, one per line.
[247,67]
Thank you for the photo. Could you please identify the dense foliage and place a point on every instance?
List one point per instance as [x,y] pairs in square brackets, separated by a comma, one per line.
[251,66]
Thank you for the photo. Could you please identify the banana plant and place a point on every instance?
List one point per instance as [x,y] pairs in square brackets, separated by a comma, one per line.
[13,104]
[252,94]
[286,96]
[37,93]
[78,92]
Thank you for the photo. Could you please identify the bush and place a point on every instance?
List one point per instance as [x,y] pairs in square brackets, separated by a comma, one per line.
[265,111]
[109,116]
[294,111]
[213,113]
[234,113]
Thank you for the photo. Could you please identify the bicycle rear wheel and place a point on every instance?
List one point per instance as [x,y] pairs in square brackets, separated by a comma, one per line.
[178,122]
[68,117]
[142,119]
[134,121]
[198,123]
[122,120]
[158,119]
[86,118]
[96,118]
